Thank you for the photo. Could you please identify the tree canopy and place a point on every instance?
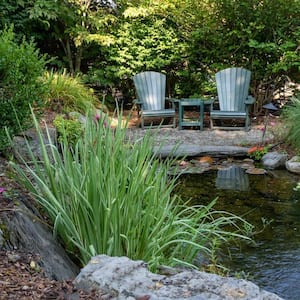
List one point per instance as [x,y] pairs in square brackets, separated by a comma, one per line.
[110,41]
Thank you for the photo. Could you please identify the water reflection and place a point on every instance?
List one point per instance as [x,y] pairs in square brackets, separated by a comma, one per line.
[274,264]
[232,178]
[275,269]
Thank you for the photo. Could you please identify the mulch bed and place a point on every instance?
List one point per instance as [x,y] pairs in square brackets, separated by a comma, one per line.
[19,279]
[20,275]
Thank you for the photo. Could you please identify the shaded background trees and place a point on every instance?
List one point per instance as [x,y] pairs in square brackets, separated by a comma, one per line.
[108,42]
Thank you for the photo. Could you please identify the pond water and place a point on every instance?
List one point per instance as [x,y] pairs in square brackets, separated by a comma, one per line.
[273,262]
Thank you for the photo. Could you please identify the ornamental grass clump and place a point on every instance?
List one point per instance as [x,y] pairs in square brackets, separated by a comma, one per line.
[68,93]
[109,195]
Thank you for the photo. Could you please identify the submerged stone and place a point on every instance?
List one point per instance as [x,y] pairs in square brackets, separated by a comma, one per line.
[256,171]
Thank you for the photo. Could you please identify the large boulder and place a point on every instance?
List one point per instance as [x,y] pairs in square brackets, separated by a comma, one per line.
[122,278]
[28,234]
[24,144]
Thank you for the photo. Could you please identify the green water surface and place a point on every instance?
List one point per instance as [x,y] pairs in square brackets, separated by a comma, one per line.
[274,261]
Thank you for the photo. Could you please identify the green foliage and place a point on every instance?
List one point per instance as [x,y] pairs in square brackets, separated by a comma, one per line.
[21,68]
[13,12]
[144,40]
[297,188]
[257,152]
[188,40]
[192,40]
[291,115]
[74,25]
[261,36]
[68,93]
[68,130]
[109,195]
[146,44]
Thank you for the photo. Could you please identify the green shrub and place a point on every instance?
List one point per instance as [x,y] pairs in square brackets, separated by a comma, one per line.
[21,68]
[68,129]
[291,115]
[110,195]
[68,93]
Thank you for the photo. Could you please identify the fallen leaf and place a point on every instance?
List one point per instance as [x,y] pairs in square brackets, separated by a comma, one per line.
[206,159]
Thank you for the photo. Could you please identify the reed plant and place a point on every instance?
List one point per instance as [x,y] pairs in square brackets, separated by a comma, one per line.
[110,195]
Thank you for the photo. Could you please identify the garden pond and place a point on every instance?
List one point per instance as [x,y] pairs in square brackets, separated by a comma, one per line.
[273,261]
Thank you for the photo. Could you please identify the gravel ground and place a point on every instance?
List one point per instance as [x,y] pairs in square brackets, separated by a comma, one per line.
[171,136]
[208,137]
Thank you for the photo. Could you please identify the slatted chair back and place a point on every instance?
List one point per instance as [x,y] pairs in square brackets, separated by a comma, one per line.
[233,87]
[151,89]
[232,178]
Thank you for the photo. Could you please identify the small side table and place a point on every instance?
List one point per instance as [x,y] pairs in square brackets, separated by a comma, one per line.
[186,102]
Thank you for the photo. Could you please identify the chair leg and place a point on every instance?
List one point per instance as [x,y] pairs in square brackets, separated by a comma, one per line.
[247,124]
[201,115]
[142,122]
[180,116]
[211,123]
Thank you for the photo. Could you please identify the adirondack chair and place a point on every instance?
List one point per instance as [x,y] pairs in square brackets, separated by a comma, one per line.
[234,101]
[232,178]
[151,90]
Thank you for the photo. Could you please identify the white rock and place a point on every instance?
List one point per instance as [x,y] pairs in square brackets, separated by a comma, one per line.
[293,165]
[123,278]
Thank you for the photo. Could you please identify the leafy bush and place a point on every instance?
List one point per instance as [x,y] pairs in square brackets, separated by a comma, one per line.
[68,129]
[291,114]
[21,67]
[68,93]
[113,196]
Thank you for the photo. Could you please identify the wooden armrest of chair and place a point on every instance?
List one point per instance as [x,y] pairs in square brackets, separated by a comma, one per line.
[212,101]
[172,101]
[138,104]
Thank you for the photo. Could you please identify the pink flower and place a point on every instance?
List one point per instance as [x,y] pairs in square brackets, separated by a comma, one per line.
[2,190]
[97,117]
[272,123]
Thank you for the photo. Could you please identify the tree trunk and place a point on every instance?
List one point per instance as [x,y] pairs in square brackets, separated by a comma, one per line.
[67,49]
[78,59]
